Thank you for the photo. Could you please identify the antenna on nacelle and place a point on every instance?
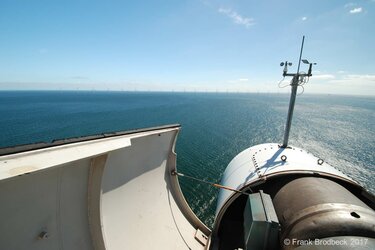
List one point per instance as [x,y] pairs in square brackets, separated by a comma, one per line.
[298,79]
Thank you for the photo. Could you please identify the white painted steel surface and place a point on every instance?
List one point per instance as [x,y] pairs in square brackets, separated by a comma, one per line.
[257,163]
[31,161]
[110,193]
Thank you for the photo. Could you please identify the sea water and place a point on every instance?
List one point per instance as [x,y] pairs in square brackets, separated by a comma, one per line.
[215,128]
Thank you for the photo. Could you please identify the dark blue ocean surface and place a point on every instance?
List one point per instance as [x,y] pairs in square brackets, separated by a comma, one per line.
[215,127]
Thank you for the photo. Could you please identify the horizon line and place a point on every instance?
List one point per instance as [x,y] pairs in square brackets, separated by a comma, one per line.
[178,91]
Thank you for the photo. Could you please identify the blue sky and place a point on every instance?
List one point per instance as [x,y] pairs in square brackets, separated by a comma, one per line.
[195,45]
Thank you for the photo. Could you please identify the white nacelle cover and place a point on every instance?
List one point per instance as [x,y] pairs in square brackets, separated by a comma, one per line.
[261,161]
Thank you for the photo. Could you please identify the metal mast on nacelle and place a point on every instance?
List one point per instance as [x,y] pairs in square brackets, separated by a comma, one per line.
[298,78]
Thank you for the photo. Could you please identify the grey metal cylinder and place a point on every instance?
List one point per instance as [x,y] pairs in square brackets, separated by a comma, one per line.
[316,208]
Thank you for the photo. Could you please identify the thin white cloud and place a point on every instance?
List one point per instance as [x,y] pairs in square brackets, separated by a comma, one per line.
[361,77]
[356,81]
[346,77]
[237,18]
[240,80]
[356,10]
[353,84]
[304,18]
[324,76]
